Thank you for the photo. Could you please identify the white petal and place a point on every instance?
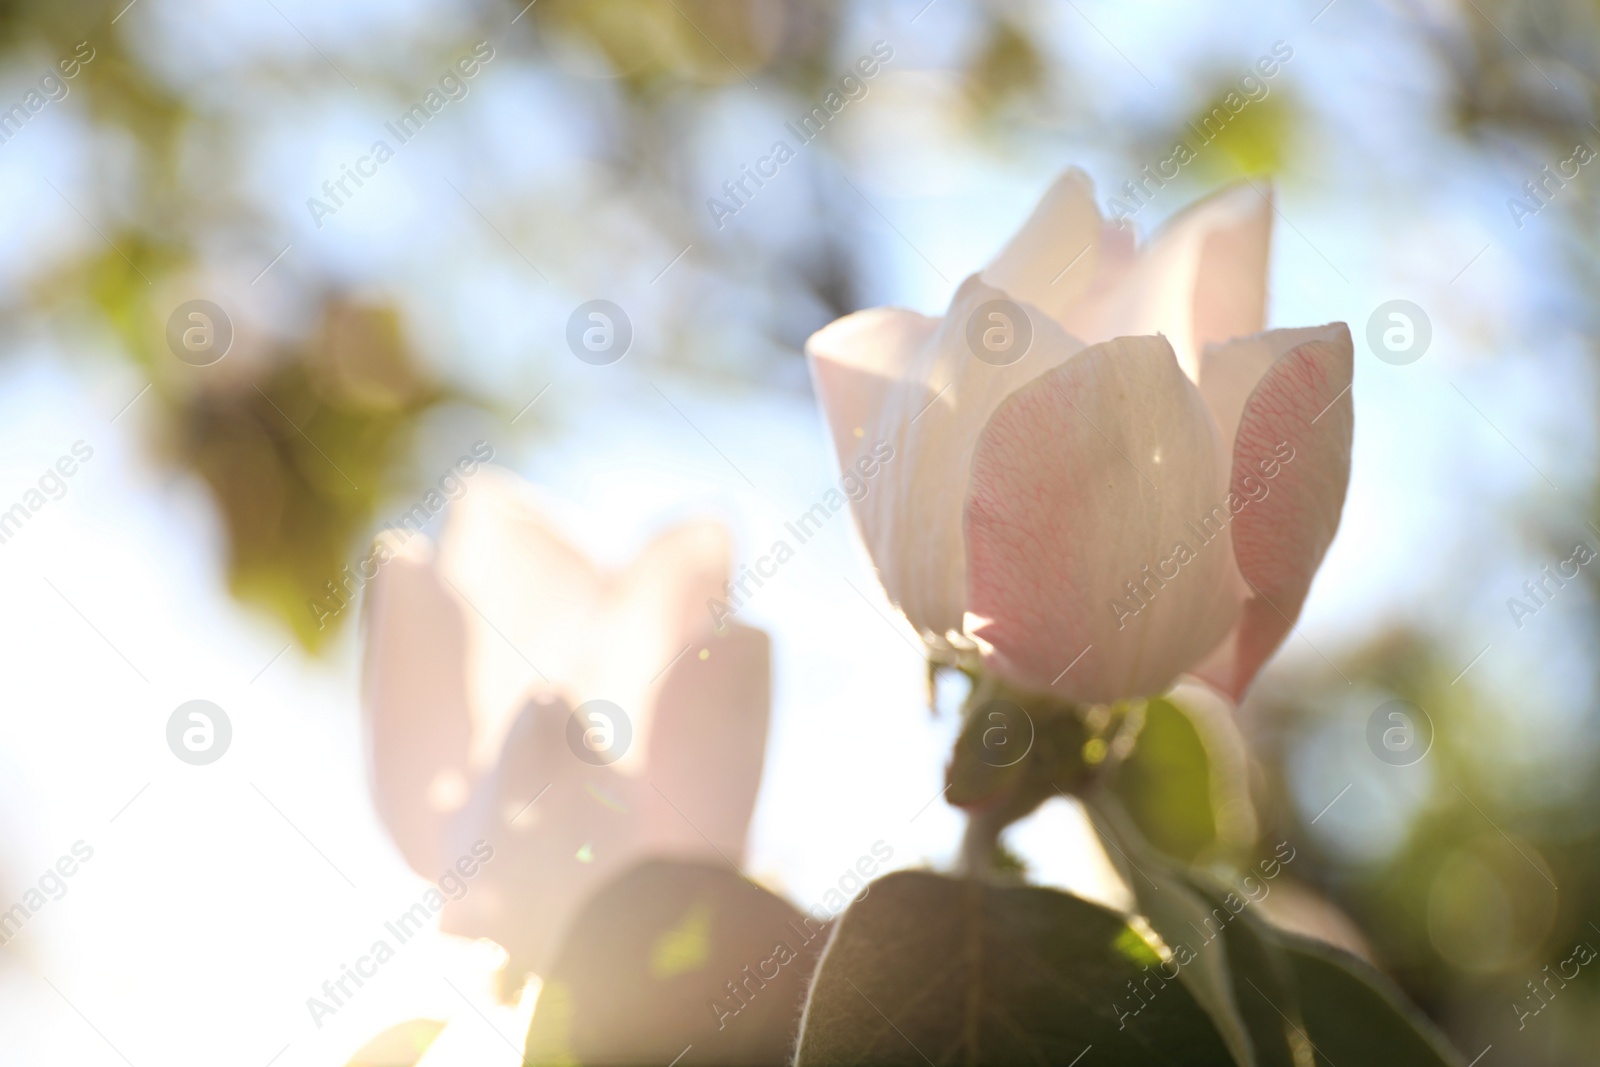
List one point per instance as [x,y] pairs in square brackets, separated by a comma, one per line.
[911,513]
[532,603]
[1200,280]
[1053,259]
[856,362]
[414,701]
[705,756]
[546,621]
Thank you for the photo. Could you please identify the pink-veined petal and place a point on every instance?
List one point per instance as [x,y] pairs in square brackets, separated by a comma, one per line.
[1230,371]
[1291,460]
[1084,486]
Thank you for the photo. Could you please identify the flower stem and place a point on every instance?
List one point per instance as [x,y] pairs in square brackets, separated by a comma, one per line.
[979,842]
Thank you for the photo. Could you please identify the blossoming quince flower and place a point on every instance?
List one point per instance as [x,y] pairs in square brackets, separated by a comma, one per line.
[477,653]
[1107,474]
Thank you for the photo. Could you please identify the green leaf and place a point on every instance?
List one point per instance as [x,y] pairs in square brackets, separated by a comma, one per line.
[931,970]
[1354,1015]
[1165,783]
[1279,1000]
[677,959]
[1264,989]
[1180,915]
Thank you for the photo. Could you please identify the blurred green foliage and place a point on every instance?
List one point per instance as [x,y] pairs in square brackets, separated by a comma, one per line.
[1007,70]
[298,451]
[299,461]
[1255,141]
[298,443]
[659,46]
[1497,872]
[1491,881]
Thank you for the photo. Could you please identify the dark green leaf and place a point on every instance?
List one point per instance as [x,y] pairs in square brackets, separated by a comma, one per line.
[1279,1000]
[1264,990]
[677,959]
[1355,1015]
[1183,919]
[931,970]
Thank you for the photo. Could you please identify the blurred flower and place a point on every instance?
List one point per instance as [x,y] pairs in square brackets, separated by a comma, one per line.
[477,654]
[1108,475]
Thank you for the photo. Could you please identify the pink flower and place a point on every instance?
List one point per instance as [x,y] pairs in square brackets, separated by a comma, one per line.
[1105,474]
[477,654]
